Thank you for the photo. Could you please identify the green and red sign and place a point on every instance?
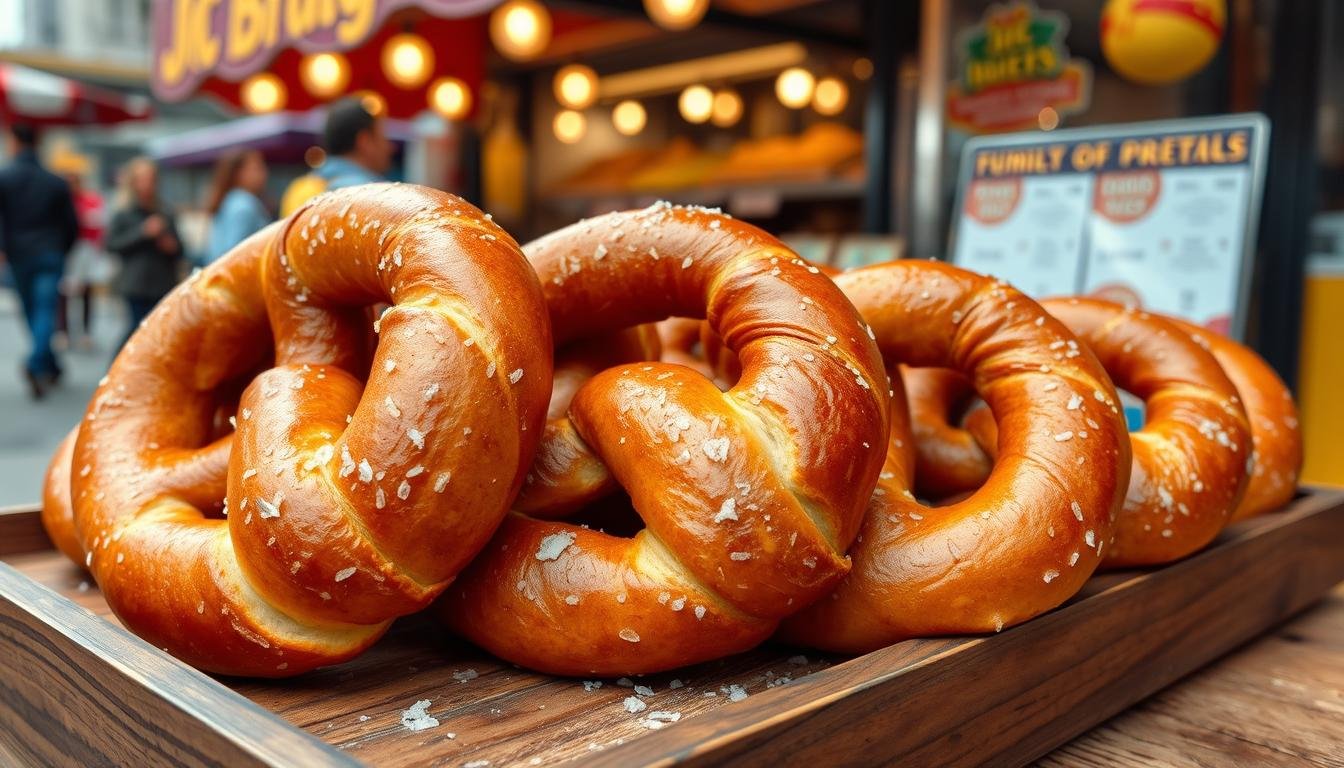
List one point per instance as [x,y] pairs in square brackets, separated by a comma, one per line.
[1012,67]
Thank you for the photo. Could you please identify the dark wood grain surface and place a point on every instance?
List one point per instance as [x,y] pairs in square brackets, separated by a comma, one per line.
[1004,700]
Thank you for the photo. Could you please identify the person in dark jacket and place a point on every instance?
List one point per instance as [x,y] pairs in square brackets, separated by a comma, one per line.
[38,226]
[143,235]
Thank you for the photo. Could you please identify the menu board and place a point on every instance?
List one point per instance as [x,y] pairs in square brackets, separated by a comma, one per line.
[1157,215]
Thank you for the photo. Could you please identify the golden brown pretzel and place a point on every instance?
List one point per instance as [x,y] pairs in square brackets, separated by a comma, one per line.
[948,460]
[1191,455]
[1273,416]
[750,497]
[1033,533]
[680,337]
[564,480]
[349,504]
[57,516]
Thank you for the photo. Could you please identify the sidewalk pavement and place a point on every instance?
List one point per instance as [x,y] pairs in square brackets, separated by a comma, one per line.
[30,430]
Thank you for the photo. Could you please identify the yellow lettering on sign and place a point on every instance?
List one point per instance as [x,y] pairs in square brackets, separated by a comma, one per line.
[193,47]
[357,21]
[247,28]
[1236,146]
[303,17]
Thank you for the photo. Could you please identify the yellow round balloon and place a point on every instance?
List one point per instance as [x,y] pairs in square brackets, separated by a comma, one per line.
[1161,41]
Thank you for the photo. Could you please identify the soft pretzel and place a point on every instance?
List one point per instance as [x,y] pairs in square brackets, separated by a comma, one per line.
[1190,457]
[948,460]
[750,497]
[1277,441]
[1185,489]
[1032,534]
[680,337]
[563,480]
[57,516]
[348,504]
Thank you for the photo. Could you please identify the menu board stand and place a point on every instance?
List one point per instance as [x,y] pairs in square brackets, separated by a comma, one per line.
[1161,215]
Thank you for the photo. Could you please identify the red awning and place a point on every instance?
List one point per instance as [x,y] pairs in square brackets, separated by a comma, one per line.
[33,96]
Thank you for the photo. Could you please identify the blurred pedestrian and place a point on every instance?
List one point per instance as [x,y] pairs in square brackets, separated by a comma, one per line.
[37,228]
[86,266]
[234,201]
[143,235]
[358,152]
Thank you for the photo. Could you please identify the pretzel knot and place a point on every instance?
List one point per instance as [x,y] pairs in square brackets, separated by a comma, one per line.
[1275,434]
[348,503]
[1025,541]
[1191,456]
[749,497]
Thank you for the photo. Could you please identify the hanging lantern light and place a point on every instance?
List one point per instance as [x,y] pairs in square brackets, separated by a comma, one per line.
[520,29]
[727,109]
[263,92]
[794,87]
[862,68]
[575,86]
[569,126]
[696,103]
[450,97]
[407,60]
[629,117]
[676,14]
[830,96]
[324,75]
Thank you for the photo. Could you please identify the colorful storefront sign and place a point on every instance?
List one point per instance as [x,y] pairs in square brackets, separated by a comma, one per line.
[230,39]
[1011,67]
[1158,215]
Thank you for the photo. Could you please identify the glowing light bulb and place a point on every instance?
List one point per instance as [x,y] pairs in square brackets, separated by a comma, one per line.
[696,103]
[450,97]
[325,75]
[569,126]
[831,96]
[263,92]
[676,14]
[407,60]
[794,87]
[629,117]
[727,108]
[520,29]
[575,86]
[373,102]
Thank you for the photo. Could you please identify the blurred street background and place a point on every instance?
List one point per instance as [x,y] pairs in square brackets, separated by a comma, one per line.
[32,429]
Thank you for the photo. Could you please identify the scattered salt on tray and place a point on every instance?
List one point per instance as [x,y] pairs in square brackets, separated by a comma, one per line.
[659,719]
[417,718]
[465,675]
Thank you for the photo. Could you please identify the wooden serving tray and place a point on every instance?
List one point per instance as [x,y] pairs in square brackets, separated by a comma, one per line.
[75,688]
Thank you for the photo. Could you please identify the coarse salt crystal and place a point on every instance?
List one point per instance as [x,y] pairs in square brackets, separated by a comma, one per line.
[553,545]
[345,573]
[728,511]
[417,718]
[716,448]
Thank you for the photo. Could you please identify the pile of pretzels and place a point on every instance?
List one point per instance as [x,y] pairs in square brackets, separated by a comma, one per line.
[384,404]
